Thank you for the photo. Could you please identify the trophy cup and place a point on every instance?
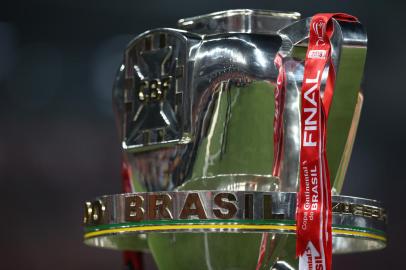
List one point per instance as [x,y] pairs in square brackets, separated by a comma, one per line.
[195,109]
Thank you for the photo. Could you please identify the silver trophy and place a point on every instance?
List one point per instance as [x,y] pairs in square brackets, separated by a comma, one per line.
[195,109]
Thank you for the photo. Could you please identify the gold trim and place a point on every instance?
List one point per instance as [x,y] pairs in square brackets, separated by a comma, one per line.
[224,226]
[360,234]
[189,227]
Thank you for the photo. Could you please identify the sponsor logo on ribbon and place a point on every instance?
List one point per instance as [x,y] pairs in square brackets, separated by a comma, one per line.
[321,54]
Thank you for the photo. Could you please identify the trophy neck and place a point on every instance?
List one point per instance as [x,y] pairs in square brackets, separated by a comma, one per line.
[239,21]
[231,154]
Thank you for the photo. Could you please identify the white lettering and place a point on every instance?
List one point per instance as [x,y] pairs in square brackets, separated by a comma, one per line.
[310,123]
[307,140]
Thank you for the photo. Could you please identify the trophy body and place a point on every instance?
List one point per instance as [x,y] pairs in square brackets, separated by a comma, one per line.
[195,108]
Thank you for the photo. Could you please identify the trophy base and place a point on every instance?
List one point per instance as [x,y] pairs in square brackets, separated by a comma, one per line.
[223,229]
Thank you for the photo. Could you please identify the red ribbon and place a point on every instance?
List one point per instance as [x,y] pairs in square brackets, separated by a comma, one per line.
[313,216]
[279,97]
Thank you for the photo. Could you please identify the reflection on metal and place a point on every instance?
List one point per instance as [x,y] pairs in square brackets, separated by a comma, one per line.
[239,21]
[219,211]
[195,111]
[281,265]
[191,105]
[222,206]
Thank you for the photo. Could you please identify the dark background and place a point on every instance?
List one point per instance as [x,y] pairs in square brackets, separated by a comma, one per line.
[58,141]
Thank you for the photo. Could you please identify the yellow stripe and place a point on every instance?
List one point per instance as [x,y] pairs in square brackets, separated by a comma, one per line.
[225,226]
[361,234]
[188,227]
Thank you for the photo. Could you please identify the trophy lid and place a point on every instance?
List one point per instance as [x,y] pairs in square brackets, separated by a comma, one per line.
[239,21]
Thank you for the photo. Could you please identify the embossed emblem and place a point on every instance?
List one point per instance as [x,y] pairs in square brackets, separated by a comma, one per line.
[153,92]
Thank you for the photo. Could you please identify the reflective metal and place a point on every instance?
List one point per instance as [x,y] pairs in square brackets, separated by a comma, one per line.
[239,21]
[191,98]
[195,111]
[358,224]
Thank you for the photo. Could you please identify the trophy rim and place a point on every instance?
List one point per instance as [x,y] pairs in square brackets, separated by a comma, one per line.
[259,21]
[233,12]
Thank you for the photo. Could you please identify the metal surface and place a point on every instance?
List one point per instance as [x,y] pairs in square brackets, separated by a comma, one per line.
[239,21]
[196,102]
[358,224]
[195,110]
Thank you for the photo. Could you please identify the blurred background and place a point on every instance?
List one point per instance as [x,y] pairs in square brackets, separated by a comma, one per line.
[58,140]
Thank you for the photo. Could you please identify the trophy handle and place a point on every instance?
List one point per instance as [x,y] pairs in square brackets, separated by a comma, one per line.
[342,169]
[348,54]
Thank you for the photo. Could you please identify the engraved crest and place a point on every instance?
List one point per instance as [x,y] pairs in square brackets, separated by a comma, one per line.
[153,91]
